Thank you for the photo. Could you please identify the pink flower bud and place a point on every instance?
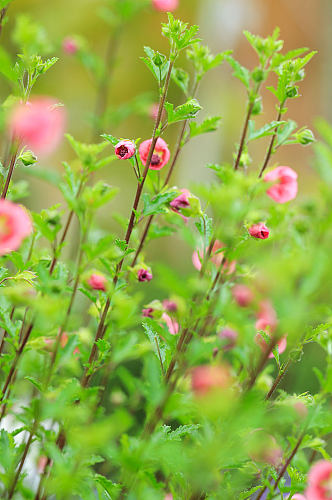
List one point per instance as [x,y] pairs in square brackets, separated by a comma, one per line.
[125,150]
[165,5]
[144,275]
[69,45]
[153,113]
[172,325]
[320,481]
[181,201]
[15,225]
[301,409]
[97,282]
[38,124]
[229,338]
[170,305]
[242,295]
[285,188]
[259,231]
[206,377]
[161,154]
[148,312]
[42,462]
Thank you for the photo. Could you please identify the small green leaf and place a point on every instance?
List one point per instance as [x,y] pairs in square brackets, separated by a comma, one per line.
[207,125]
[183,112]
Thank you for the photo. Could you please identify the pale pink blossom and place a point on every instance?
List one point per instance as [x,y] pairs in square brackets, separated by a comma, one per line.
[15,225]
[298,496]
[266,317]
[69,45]
[207,377]
[216,257]
[259,231]
[125,149]
[38,124]
[97,282]
[153,112]
[320,481]
[242,295]
[165,5]
[144,274]
[282,344]
[161,153]
[170,305]
[172,324]
[285,188]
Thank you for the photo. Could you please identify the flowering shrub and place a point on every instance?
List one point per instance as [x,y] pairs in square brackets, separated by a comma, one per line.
[120,377]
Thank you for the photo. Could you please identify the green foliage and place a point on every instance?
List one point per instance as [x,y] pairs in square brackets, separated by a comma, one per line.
[183,112]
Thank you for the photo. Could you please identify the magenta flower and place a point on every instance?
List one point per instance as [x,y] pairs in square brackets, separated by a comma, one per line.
[172,325]
[259,231]
[181,201]
[148,312]
[97,282]
[320,481]
[144,274]
[165,5]
[15,225]
[229,338]
[160,156]
[207,377]
[285,188]
[170,305]
[242,295]
[125,149]
[38,124]
[69,45]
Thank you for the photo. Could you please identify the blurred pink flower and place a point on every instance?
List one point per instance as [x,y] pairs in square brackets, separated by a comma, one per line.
[170,305]
[144,274]
[229,338]
[153,112]
[38,124]
[259,231]
[168,496]
[165,5]
[69,45]
[285,188]
[282,344]
[266,317]
[97,282]
[216,258]
[207,377]
[160,156]
[125,150]
[297,496]
[242,295]
[147,313]
[172,325]
[15,225]
[320,481]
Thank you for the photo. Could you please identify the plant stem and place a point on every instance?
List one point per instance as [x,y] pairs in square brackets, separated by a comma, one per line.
[2,16]
[244,135]
[270,148]
[277,381]
[101,326]
[262,363]
[10,173]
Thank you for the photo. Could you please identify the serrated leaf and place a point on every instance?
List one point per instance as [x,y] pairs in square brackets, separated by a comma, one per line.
[240,72]
[183,112]
[157,204]
[207,125]
[268,129]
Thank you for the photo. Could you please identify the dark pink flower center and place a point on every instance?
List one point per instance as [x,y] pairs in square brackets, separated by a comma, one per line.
[155,160]
[122,151]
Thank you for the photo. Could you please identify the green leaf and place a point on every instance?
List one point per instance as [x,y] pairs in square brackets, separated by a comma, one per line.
[268,129]
[6,67]
[181,78]
[208,125]
[157,204]
[240,71]
[284,132]
[203,60]
[183,112]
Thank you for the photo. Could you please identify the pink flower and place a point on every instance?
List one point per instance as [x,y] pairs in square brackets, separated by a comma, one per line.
[320,481]
[148,312]
[216,258]
[181,201]
[172,325]
[97,282]
[125,150]
[266,317]
[259,231]
[144,275]
[282,344]
[207,377]
[168,496]
[297,496]
[38,124]
[69,45]
[165,5]
[229,338]
[285,188]
[170,305]
[242,295]
[160,156]
[153,112]
[15,225]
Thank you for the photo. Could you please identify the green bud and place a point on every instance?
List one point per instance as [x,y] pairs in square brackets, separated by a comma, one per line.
[258,75]
[27,158]
[305,137]
[257,107]
[292,91]
[296,354]
[158,59]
